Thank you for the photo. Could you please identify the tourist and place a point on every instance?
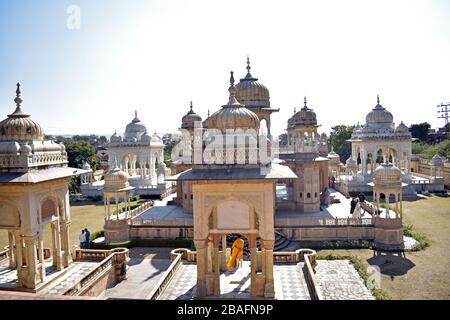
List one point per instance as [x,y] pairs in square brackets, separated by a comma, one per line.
[237,253]
[362,197]
[87,243]
[82,238]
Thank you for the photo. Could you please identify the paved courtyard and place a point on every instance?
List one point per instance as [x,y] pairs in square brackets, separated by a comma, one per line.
[339,280]
[146,267]
[235,284]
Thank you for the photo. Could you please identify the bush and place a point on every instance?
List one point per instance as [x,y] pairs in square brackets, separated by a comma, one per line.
[136,198]
[409,231]
[97,234]
[336,244]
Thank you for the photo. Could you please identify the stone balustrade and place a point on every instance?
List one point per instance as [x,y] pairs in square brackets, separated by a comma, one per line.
[112,267]
[165,223]
[306,222]
[177,256]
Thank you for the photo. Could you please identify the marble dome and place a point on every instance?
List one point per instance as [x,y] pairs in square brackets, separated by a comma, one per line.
[402,128]
[387,173]
[437,161]
[19,126]
[191,119]
[116,180]
[233,115]
[135,129]
[252,93]
[306,116]
[379,116]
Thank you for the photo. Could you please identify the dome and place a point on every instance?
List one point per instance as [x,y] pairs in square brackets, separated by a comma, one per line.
[135,129]
[387,174]
[233,115]
[19,126]
[437,161]
[402,128]
[191,119]
[305,116]
[334,157]
[351,163]
[115,138]
[116,180]
[251,93]
[379,116]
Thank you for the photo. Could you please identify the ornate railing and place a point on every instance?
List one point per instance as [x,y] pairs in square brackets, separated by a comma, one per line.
[135,212]
[4,254]
[162,222]
[164,281]
[305,222]
[111,259]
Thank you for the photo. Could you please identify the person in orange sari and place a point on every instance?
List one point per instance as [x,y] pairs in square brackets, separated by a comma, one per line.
[237,253]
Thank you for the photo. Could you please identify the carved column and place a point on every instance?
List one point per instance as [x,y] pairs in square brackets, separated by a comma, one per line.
[12,250]
[32,279]
[269,288]
[65,244]
[40,241]
[223,266]
[201,247]
[19,259]
[216,264]
[59,265]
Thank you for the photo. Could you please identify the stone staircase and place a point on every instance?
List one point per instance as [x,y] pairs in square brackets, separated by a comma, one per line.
[281,244]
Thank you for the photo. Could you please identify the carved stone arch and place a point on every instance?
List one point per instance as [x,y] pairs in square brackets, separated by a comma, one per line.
[253,202]
[50,205]
[10,214]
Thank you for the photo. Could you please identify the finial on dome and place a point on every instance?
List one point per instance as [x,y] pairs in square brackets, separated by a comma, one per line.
[208,113]
[306,104]
[232,90]
[295,110]
[135,114]
[18,100]
[248,65]
[378,99]
[191,106]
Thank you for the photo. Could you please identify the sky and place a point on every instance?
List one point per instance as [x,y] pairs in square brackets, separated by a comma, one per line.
[157,56]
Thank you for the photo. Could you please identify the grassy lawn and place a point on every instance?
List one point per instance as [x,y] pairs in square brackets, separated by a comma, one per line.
[417,275]
[84,215]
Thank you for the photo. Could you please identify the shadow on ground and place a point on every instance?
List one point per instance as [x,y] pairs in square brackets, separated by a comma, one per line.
[391,264]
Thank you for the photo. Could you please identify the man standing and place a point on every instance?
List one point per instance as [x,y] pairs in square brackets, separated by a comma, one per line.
[82,238]
[87,243]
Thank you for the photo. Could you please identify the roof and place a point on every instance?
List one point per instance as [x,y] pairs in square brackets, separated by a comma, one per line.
[36,176]
[275,171]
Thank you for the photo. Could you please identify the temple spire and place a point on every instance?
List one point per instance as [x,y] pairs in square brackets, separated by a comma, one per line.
[378,99]
[232,90]
[248,65]
[191,106]
[18,101]
[306,103]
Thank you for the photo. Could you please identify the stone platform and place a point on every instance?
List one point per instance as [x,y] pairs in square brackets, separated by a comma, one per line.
[235,284]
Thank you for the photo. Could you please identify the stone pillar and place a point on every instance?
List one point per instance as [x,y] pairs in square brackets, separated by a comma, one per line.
[253,264]
[32,279]
[54,251]
[201,247]
[269,288]
[59,265]
[387,196]
[12,250]
[19,259]
[216,264]
[223,266]
[65,244]
[40,241]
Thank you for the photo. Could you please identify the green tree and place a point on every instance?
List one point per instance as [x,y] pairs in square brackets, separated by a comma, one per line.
[283,139]
[338,140]
[169,143]
[420,131]
[80,151]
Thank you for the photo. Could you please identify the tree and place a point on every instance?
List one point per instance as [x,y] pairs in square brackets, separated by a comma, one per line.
[338,140]
[169,143]
[283,139]
[420,131]
[80,151]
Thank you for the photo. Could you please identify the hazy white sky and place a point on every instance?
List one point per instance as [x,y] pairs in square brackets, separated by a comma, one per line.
[156,56]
